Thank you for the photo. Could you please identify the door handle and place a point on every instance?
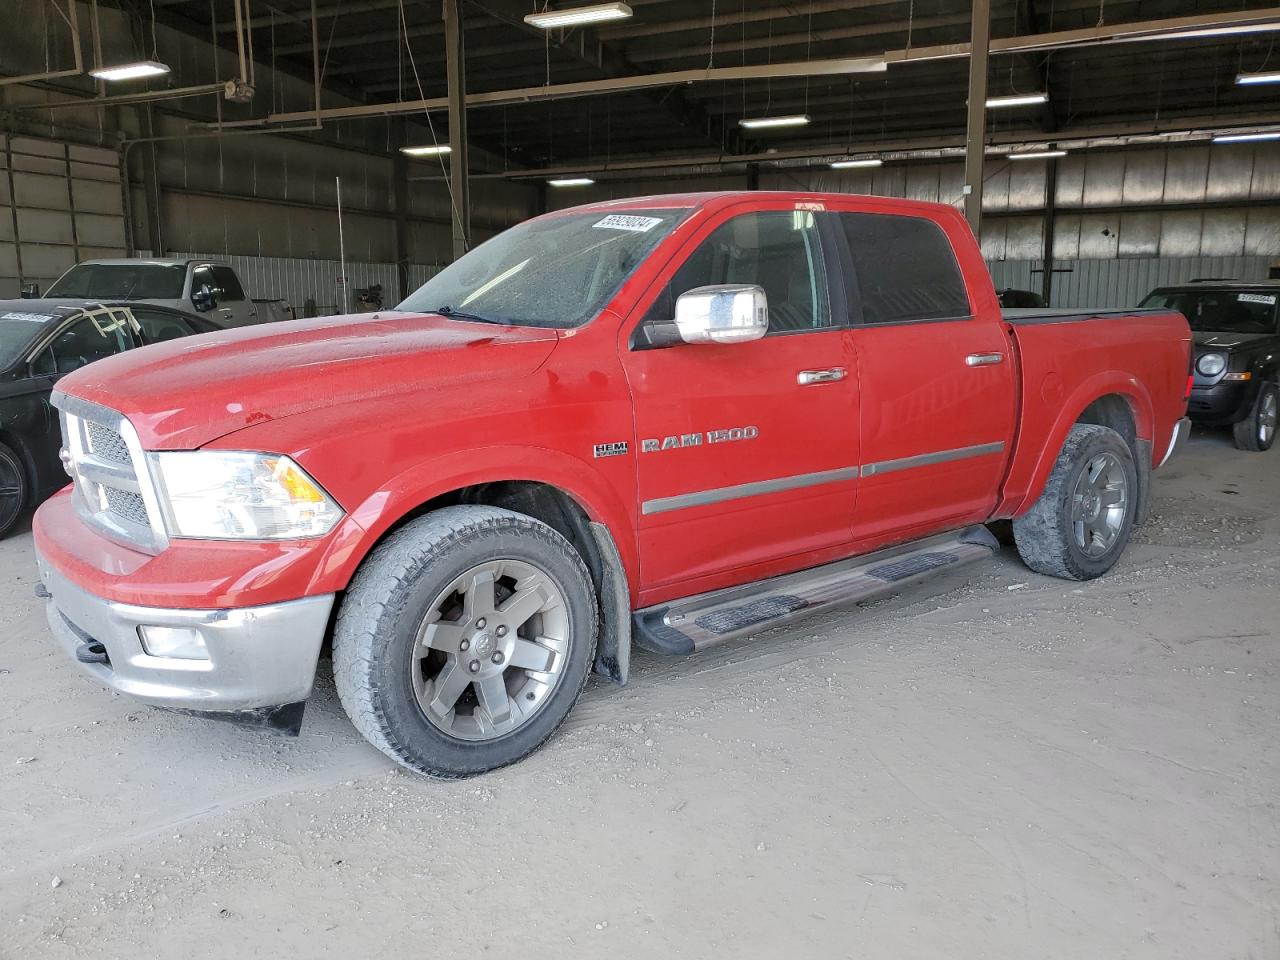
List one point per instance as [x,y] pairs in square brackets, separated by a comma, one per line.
[983,359]
[830,375]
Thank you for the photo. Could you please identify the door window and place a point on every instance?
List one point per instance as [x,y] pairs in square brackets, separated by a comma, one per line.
[159,326]
[904,269]
[779,250]
[203,277]
[228,283]
[80,344]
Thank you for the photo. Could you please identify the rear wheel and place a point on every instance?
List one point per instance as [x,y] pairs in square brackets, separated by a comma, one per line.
[465,640]
[1081,523]
[13,489]
[1257,431]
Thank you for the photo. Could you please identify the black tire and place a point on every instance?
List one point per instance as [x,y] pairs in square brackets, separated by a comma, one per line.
[388,599]
[14,490]
[1046,535]
[1250,433]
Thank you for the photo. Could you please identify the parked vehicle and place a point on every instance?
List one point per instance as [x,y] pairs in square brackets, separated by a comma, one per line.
[1236,328]
[40,342]
[212,289]
[673,421]
[1012,299]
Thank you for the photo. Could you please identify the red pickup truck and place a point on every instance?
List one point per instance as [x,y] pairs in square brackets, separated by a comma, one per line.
[670,421]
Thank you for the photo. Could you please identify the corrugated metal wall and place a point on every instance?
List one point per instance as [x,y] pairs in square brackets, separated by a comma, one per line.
[59,203]
[1120,282]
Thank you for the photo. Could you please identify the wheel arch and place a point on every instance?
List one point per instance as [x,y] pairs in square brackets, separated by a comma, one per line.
[570,497]
[1110,400]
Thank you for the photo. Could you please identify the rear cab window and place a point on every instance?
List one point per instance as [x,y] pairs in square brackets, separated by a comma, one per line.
[904,269]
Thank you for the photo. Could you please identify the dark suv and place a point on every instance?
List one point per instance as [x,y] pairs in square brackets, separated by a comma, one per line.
[1237,345]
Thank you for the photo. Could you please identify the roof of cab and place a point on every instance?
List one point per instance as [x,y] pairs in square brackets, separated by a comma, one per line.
[725,197]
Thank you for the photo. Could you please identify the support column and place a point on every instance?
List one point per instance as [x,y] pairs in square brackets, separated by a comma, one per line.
[455,72]
[400,193]
[975,139]
[1050,211]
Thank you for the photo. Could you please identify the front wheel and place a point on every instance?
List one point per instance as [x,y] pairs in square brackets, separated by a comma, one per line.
[1257,431]
[465,640]
[13,489]
[1082,521]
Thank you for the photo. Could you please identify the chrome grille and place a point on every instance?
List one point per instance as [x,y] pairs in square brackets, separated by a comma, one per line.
[127,505]
[113,491]
[107,444]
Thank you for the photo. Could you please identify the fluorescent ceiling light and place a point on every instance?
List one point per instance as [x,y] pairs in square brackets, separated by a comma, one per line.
[852,164]
[1248,79]
[760,123]
[571,182]
[576,16]
[1246,137]
[433,150]
[1038,155]
[1265,26]
[130,71]
[1017,100]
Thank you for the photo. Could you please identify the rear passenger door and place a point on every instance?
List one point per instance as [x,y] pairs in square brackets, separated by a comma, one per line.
[746,453]
[936,377]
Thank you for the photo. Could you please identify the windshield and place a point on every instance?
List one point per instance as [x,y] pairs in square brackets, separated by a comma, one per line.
[122,281]
[18,329]
[1221,311]
[557,271]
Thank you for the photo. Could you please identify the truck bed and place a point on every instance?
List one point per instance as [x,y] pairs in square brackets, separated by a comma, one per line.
[1027,316]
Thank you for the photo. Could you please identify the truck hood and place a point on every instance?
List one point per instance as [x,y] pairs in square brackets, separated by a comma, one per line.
[185,393]
[1226,341]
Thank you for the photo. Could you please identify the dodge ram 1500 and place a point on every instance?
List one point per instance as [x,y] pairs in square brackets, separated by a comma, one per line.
[671,421]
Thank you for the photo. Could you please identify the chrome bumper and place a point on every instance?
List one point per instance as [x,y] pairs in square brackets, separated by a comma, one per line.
[1181,430]
[257,656]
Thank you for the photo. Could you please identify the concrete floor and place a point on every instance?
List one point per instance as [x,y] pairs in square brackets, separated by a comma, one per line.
[996,765]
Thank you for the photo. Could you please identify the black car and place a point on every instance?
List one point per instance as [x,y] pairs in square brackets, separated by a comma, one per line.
[1012,299]
[1236,328]
[40,340]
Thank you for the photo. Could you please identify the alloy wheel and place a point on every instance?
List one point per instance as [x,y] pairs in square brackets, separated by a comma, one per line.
[490,650]
[1099,504]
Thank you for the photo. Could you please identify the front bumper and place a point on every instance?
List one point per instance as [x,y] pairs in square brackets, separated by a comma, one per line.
[1223,403]
[257,657]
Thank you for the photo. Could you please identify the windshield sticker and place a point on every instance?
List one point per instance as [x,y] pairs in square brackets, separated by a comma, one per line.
[810,205]
[33,317]
[1268,299]
[618,221]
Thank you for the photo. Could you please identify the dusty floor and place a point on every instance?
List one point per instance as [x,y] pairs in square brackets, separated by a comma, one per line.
[997,765]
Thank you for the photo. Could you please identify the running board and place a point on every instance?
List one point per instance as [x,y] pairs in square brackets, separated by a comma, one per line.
[694,623]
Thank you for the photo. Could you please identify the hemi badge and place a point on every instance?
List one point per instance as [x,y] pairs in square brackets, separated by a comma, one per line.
[616,449]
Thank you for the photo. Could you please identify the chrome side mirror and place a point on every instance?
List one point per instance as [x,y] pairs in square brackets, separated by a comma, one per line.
[722,313]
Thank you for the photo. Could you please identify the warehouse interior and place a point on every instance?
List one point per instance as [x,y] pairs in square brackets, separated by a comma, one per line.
[992,763]
[1138,95]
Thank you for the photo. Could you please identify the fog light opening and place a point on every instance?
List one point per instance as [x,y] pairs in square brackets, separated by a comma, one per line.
[178,643]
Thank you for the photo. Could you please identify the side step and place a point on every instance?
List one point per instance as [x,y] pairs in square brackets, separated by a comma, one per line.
[694,623]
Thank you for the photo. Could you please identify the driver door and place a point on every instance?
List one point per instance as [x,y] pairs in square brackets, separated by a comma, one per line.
[746,453]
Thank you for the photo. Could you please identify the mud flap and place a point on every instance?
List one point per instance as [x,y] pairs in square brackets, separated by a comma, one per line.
[285,719]
[613,651]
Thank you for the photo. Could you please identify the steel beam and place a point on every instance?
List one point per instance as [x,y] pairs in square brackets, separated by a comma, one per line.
[976,125]
[455,57]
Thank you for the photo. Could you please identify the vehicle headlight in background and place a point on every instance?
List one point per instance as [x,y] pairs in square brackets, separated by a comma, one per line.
[229,495]
[1211,364]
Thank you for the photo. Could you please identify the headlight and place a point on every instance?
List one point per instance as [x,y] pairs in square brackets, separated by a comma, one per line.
[227,495]
[1211,364]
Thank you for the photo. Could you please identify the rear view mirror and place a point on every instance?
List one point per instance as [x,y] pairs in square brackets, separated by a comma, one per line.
[723,313]
[31,291]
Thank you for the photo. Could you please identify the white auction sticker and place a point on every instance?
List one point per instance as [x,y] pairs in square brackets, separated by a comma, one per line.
[618,221]
[33,317]
[1266,298]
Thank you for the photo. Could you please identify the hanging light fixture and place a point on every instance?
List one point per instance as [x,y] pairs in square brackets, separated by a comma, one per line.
[764,123]
[577,16]
[130,71]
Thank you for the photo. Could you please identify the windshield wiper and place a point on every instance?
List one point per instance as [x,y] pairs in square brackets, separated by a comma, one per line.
[448,311]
